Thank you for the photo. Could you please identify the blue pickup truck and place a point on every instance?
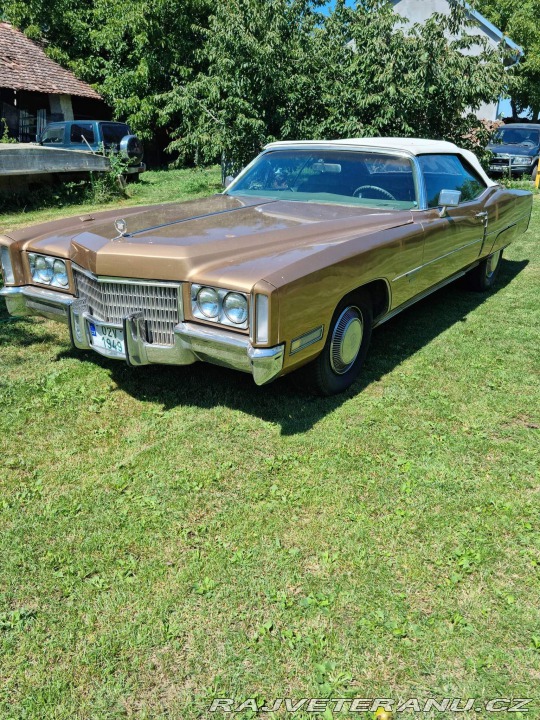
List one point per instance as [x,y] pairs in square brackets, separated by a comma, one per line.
[96,136]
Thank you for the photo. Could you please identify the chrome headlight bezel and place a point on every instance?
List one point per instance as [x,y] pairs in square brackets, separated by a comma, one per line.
[221,317]
[48,270]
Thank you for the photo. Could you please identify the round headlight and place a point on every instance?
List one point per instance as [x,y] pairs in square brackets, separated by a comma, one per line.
[60,273]
[43,271]
[208,302]
[236,308]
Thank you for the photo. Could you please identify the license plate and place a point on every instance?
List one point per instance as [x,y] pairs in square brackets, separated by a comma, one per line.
[107,339]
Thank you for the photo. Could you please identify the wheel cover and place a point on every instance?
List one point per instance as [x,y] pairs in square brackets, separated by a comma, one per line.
[492,264]
[346,340]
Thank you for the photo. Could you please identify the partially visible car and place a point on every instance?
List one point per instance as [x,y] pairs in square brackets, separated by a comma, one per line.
[96,136]
[516,150]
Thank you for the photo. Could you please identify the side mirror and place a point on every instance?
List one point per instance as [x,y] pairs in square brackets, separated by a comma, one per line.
[448,198]
[228,181]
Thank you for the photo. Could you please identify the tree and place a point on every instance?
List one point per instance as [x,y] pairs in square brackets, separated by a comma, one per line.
[132,51]
[277,69]
[225,78]
[141,49]
[60,25]
[387,80]
[256,62]
[521,22]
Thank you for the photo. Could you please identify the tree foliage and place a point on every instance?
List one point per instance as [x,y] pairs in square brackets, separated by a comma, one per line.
[276,69]
[225,78]
[257,72]
[521,22]
[130,50]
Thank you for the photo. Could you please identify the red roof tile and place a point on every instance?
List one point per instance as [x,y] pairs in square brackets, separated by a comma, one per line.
[24,66]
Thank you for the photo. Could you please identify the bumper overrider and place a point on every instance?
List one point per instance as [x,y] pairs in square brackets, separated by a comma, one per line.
[191,342]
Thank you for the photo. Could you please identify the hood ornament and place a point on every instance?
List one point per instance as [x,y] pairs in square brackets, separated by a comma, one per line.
[121,228]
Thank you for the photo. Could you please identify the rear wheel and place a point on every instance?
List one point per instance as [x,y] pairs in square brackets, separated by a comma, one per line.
[484,276]
[344,352]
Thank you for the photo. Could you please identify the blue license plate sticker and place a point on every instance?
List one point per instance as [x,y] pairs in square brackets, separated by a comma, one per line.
[93,329]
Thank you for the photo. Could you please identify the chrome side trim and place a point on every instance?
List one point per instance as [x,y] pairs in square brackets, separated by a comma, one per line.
[440,257]
[424,294]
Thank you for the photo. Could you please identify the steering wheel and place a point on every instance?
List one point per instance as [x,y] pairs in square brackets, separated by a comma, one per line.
[373,187]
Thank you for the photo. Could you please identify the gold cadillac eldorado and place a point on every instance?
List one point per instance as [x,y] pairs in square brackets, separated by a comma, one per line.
[313,245]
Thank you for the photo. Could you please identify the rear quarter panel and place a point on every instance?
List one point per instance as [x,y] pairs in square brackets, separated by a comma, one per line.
[509,217]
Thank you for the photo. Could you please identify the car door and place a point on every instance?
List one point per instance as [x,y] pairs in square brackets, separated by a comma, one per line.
[454,241]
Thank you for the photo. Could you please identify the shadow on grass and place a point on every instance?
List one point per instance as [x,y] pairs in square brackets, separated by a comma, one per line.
[207,386]
[21,333]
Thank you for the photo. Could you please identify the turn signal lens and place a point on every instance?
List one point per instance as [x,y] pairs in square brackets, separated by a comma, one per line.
[7,268]
[261,310]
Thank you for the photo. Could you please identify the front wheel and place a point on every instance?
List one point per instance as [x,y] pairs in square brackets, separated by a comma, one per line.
[484,276]
[344,352]
[534,173]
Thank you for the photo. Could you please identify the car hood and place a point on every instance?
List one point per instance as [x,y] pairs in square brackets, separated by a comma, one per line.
[221,239]
[513,150]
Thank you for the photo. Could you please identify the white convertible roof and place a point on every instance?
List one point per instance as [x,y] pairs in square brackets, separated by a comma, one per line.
[412,146]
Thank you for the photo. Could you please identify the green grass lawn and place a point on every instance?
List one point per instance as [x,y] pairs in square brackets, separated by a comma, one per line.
[155,186]
[171,535]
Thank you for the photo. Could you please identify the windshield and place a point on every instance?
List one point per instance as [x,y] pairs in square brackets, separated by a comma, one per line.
[517,136]
[370,179]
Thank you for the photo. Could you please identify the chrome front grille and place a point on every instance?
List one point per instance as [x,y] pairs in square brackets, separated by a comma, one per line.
[113,299]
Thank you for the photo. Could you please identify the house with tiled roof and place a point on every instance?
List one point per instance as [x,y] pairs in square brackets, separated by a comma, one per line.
[35,90]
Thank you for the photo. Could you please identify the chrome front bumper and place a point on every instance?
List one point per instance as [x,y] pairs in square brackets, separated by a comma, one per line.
[191,342]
